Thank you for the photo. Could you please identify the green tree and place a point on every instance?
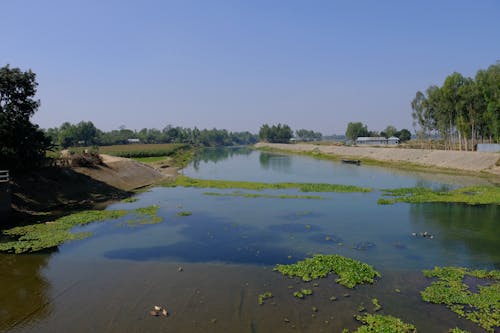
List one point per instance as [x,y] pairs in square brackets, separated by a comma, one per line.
[355,130]
[276,133]
[390,131]
[23,144]
[403,135]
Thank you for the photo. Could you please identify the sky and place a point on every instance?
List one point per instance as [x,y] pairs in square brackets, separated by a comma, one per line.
[239,64]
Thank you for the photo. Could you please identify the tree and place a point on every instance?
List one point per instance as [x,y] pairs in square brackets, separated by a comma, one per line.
[23,144]
[403,135]
[390,131]
[355,130]
[276,133]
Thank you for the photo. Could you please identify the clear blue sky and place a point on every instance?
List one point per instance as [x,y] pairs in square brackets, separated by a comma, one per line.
[239,64]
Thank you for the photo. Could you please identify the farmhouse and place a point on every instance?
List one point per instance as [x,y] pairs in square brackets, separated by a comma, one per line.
[377,140]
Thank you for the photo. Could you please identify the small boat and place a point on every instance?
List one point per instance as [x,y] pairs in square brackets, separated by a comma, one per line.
[357,162]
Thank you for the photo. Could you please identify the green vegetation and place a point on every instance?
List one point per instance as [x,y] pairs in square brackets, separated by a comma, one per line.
[472,195]
[308,135]
[130,200]
[376,305]
[276,133]
[264,296]
[153,159]
[259,195]
[351,272]
[457,330]
[145,215]
[382,324]
[142,150]
[184,214]
[302,293]
[464,111]
[22,144]
[483,308]
[355,130]
[37,237]
[227,184]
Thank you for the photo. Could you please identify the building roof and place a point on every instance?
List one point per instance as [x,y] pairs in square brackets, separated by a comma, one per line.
[371,138]
[393,138]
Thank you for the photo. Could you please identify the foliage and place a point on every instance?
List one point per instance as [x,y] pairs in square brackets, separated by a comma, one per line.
[463,111]
[275,133]
[264,296]
[351,272]
[37,237]
[471,195]
[142,150]
[23,144]
[258,195]
[227,184]
[355,130]
[308,135]
[483,307]
[373,323]
[457,330]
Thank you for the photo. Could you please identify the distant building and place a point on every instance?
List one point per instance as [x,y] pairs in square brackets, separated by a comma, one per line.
[489,147]
[376,141]
[133,141]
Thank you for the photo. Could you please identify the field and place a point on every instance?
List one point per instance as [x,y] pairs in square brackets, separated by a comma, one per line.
[142,150]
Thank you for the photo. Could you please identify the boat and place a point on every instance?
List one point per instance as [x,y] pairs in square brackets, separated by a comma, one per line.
[357,162]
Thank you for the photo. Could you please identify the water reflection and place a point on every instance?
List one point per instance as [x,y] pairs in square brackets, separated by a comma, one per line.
[24,291]
[472,230]
[275,162]
[218,154]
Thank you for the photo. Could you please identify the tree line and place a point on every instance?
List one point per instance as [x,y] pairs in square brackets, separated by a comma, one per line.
[282,133]
[86,134]
[462,111]
[357,129]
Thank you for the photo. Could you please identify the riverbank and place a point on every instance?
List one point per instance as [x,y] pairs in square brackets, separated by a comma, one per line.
[478,163]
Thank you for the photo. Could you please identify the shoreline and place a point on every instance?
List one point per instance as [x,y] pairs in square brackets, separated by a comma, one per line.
[478,164]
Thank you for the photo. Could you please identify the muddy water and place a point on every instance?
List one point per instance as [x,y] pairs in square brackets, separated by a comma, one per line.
[227,248]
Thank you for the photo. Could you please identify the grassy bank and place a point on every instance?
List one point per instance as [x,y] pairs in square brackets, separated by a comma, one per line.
[142,150]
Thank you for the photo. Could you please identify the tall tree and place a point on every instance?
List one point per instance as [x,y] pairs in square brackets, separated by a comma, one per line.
[23,144]
[355,130]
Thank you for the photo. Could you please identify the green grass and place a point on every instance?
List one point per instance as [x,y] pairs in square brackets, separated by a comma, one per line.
[151,159]
[227,184]
[373,323]
[482,308]
[37,237]
[258,195]
[350,272]
[471,195]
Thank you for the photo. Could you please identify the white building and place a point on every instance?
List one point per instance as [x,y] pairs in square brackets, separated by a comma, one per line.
[376,141]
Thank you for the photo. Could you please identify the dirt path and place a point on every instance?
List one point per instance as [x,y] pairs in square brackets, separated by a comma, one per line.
[459,160]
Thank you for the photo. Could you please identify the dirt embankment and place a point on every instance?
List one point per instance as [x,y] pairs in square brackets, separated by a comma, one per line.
[459,160]
[50,192]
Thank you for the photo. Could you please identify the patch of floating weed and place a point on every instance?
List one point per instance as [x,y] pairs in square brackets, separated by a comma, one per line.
[376,305]
[302,293]
[264,296]
[130,200]
[482,308]
[37,237]
[145,215]
[351,272]
[381,323]
[227,184]
[259,195]
[471,195]
[457,330]
[184,214]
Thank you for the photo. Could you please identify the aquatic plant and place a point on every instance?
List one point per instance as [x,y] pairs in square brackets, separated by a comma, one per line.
[471,195]
[374,323]
[457,330]
[184,214]
[264,296]
[145,215]
[37,237]
[130,200]
[350,272]
[259,195]
[482,308]
[228,184]
[376,305]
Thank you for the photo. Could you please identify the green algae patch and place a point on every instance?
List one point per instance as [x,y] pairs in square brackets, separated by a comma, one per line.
[482,308]
[260,195]
[36,237]
[457,330]
[471,195]
[184,214]
[129,200]
[380,323]
[264,296]
[145,215]
[350,272]
[227,184]
[302,293]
